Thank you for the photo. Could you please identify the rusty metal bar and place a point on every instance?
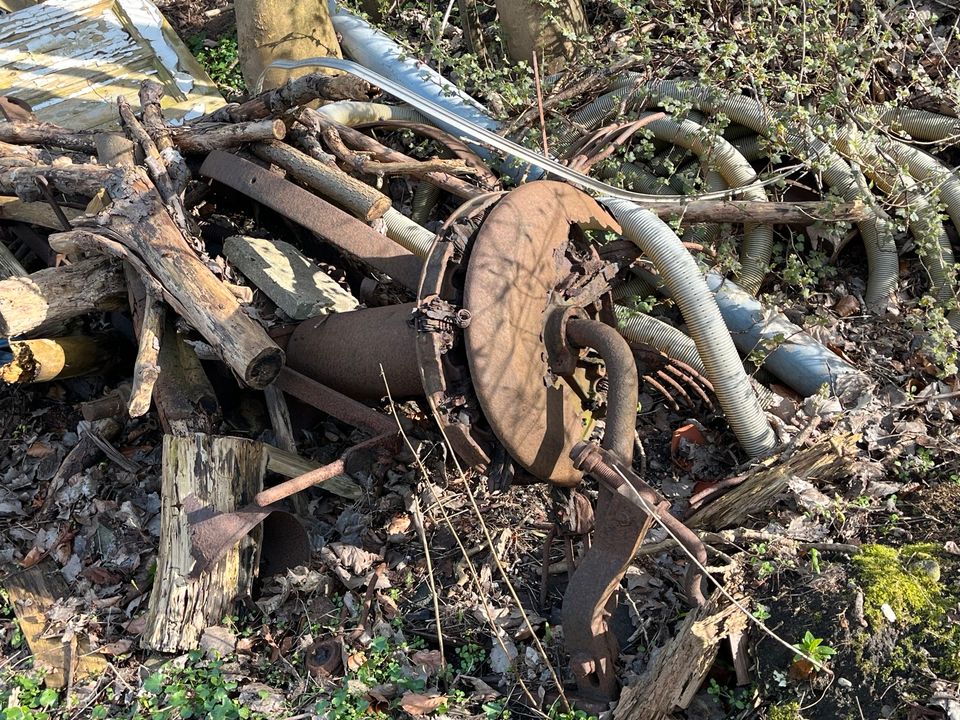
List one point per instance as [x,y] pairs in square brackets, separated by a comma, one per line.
[332,402]
[621,526]
[338,228]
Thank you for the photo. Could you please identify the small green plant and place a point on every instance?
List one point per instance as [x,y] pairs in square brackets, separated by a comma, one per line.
[735,700]
[197,690]
[813,647]
[761,612]
[22,697]
[471,658]
[221,62]
[815,560]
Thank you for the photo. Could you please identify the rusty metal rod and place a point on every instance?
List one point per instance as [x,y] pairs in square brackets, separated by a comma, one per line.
[605,467]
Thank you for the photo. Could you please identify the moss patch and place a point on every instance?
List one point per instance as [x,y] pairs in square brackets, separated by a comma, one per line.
[785,711]
[902,578]
[908,580]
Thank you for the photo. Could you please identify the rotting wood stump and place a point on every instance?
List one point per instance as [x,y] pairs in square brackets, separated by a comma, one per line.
[224,473]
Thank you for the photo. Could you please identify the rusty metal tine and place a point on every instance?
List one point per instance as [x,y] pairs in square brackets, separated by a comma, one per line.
[662,390]
[676,386]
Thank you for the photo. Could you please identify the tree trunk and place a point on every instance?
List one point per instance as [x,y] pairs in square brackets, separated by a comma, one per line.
[270,30]
[224,473]
[531,26]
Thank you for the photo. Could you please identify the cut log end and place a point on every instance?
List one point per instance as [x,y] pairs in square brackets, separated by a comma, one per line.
[264,367]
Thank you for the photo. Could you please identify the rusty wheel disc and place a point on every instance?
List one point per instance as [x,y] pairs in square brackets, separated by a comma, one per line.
[517,261]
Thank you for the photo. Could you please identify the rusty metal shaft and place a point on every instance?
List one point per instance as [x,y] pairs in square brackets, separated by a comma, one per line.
[604,466]
[621,525]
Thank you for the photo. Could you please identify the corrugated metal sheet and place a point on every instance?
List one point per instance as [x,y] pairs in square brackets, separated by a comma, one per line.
[70,59]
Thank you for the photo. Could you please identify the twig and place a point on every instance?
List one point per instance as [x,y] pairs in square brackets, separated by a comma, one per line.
[543,122]
[422,532]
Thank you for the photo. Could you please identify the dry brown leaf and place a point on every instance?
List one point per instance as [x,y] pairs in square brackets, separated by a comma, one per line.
[417,704]
[120,647]
[356,660]
[399,524]
[430,660]
[39,450]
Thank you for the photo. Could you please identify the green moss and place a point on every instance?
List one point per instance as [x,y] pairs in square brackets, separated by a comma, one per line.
[785,711]
[908,579]
[900,578]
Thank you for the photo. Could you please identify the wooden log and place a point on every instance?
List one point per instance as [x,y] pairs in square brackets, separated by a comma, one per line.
[151,93]
[828,458]
[366,202]
[80,179]
[205,138]
[9,265]
[35,213]
[190,139]
[115,149]
[224,473]
[137,218]
[761,212]
[32,593]
[280,418]
[146,369]
[679,668]
[46,297]
[291,465]
[294,93]
[183,396]
[155,164]
[111,405]
[46,360]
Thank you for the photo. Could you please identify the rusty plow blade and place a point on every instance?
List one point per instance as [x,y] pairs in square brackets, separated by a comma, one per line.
[213,533]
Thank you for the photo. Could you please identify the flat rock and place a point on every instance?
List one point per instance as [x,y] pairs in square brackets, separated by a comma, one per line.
[287,277]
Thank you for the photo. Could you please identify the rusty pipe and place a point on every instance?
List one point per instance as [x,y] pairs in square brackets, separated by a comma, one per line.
[624,382]
[605,467]
[346,351]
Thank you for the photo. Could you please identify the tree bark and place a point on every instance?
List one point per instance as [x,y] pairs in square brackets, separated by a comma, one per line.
[366,202]
[270,30]
[224,473]
[9,265]
[535,26]
[49,297]
[680,666]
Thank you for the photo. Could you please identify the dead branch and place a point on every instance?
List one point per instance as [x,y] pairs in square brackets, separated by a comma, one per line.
[48,297]
[295,92]
[364,201]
